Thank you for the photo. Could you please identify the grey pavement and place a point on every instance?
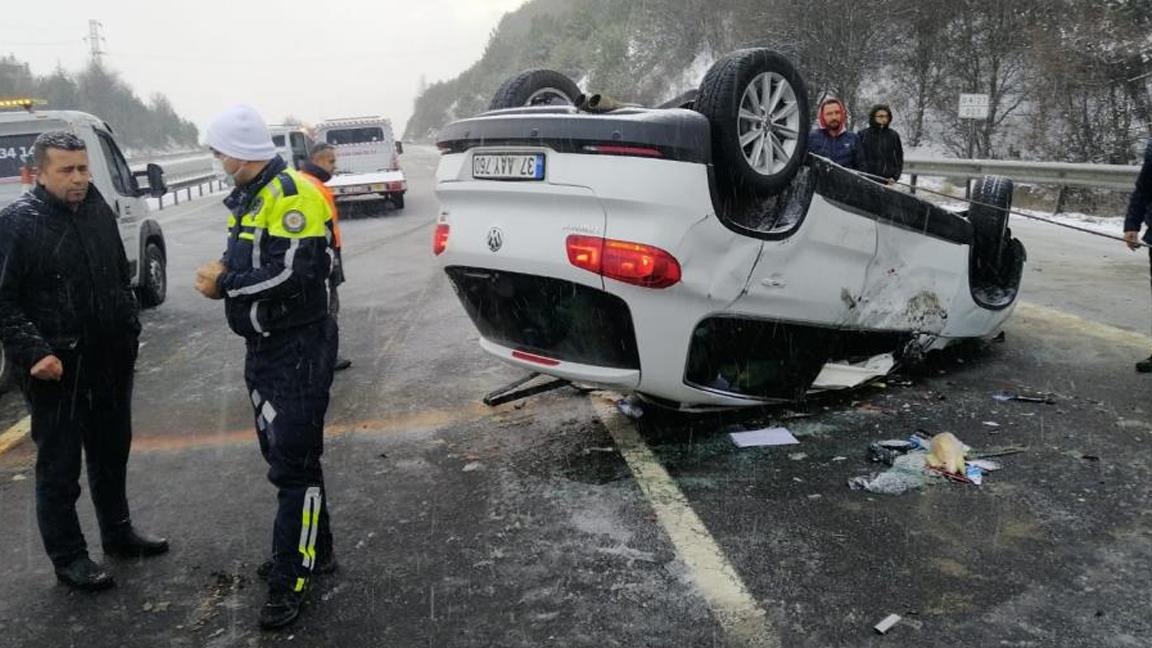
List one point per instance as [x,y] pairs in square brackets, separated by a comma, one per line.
[462,525]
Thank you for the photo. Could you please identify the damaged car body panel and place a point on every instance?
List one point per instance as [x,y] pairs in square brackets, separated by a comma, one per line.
[611,248]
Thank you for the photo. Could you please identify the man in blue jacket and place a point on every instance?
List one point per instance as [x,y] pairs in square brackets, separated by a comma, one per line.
[833,140]
[1139,214]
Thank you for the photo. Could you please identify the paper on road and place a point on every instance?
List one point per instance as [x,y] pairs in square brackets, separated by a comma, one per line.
[767,437]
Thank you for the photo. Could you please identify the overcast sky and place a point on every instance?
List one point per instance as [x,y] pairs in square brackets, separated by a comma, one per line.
[315,60]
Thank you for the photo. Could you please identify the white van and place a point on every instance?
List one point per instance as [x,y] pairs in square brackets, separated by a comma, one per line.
[120,186]
[292,143]
[367,158]
[142,236]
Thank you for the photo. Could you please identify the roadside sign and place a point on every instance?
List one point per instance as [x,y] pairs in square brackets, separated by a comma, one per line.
[974,106]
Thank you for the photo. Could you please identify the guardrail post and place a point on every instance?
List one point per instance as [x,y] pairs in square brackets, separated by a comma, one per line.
[176,197]
[1060,199]
[914,176]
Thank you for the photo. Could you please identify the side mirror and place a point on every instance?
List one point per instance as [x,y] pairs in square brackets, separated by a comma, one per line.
[399,148]
[156,186]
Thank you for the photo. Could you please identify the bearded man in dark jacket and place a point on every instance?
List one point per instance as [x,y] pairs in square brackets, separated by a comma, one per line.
[883,152]
[68,321]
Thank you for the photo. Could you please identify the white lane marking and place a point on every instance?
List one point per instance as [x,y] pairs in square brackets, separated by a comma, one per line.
[744,623]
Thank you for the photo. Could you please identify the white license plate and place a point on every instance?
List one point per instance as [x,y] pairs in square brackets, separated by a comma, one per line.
[508,166]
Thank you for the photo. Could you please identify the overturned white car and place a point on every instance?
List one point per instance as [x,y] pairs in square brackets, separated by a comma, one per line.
[695,254]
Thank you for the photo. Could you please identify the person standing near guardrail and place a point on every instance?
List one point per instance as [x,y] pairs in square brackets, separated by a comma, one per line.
[881,146]
[68,321]
[319,168]
[1140,215]
[833,140]
[273,282]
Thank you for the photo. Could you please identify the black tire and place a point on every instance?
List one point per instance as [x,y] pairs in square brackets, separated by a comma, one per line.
[154,278]
[723,92]
[535,88]
[398,201]
[988,214]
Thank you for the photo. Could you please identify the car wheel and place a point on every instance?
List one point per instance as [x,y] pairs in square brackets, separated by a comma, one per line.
[154,284]
[989,217]
[535,88]
[398,201]
[757,104]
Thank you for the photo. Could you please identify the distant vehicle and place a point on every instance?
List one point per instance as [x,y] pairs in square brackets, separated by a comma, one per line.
[367,158]
[292,143]
[696,254]
[120,185]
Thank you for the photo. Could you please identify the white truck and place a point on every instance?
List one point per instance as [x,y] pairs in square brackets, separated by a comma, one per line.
[292,143]
[119,184]
[367,158]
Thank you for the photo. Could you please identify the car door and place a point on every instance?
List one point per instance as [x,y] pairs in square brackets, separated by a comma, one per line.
[129,208]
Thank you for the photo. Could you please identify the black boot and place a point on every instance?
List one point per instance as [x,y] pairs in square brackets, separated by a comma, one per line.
[83,574]
[130,543]
[282,608]
[325,564]
[1145,365]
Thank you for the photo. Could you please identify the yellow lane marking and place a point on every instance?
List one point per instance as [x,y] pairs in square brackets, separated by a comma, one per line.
[401,422]
[743,621]
[14,435]
[1073,323]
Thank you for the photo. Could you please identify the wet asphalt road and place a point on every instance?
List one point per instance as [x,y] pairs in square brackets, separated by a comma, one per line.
[460,525]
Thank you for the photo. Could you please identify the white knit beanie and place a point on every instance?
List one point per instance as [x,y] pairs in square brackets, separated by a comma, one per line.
[241,133]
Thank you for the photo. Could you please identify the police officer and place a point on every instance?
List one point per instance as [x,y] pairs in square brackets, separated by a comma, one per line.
[273,280]
[318,169]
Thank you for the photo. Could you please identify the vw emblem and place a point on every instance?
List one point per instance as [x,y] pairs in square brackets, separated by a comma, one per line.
[495,239]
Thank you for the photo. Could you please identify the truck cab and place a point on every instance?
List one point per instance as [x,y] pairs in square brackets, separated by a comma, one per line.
[125,190]
[292,143]
[367,158]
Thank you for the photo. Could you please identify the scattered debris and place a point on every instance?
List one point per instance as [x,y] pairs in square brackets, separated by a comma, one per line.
[630,407]
[839,459]
[889,621]
[887,451]
[18,478]
[777,436]
[992,424]
[383,455]
[846,376]
[998,452]
[947,453]
[473,466]
[815,496]
[1004,397]
[919,459]
[798,456]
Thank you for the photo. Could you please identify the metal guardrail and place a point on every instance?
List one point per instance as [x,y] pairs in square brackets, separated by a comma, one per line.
[1102,176]
[187,184]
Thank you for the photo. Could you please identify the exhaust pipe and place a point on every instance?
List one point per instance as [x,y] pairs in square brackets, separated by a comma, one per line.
[598,103]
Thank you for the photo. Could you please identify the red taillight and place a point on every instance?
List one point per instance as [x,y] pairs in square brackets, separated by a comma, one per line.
[634,263]
[540,360]
[617,149]
[440,239]
[585,252]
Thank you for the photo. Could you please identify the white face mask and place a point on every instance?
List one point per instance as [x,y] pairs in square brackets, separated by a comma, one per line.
[221,174]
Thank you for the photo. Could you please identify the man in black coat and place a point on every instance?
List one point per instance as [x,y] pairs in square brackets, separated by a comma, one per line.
[68,321]
[1140,215]
[883,152]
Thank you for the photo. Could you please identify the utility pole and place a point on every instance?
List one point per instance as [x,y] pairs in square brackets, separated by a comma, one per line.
[95,39]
